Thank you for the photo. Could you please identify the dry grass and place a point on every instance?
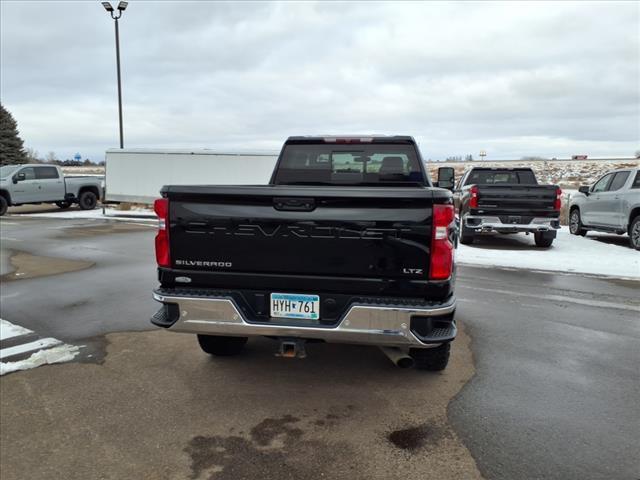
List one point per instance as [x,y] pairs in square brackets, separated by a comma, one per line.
[564,213]
[127,206]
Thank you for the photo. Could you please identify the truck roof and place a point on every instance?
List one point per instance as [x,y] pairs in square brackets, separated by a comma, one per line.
[34,165]
[356,138]
[510,169]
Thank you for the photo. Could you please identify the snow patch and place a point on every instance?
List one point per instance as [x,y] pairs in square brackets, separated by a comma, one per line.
[142,215]
[59,354]
[596,254]
[9,330]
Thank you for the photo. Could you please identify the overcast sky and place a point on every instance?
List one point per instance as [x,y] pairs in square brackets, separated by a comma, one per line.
[514,79]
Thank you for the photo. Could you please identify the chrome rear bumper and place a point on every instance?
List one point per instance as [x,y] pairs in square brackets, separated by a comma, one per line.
[494,224]
[362,324]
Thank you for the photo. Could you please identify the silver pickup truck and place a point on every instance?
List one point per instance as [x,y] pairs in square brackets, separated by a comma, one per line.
[37,183]
[612,204]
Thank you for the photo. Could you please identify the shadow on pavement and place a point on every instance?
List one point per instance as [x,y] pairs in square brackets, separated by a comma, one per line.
[42,208]
[516,241]
[620,240]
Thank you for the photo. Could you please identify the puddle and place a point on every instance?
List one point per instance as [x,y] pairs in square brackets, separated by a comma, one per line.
[276,450]
[413,438]
[92,230]
[27,266]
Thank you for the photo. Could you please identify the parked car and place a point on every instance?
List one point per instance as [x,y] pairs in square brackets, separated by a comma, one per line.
[611,204]
[349,243]
[506,200]
[37,183]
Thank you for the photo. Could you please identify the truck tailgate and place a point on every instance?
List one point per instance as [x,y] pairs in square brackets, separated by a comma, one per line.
[533,200]
[289,231]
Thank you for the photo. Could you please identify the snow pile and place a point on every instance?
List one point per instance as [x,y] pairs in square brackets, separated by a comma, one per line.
[59,354]
[9,330]
[110,213]
[595,254]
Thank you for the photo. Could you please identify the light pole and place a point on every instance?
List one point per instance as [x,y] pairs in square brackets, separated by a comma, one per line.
[122,6]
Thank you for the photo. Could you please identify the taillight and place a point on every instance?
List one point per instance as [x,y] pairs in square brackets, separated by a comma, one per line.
[441,246]
[161,207]
[557,205]
[473,197]
[348,140]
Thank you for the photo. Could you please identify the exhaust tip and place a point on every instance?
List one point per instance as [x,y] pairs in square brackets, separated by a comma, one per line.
[405,362]
[398,357]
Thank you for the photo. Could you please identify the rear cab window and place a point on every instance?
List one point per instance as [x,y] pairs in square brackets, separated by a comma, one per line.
[501,177]
[636,181]
[349,164]
[44,173]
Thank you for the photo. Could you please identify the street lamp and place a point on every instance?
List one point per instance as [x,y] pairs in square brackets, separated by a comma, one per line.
[122,6]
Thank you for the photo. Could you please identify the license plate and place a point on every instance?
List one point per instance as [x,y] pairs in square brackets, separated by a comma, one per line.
[290,305]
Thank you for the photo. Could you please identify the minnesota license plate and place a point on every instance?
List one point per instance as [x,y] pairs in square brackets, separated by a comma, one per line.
[289,305]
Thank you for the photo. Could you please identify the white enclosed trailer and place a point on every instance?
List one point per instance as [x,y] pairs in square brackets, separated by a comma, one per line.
[137,175]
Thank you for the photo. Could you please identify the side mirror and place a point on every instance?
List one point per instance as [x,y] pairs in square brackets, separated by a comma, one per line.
[446,177]
[19,177]
[584,189]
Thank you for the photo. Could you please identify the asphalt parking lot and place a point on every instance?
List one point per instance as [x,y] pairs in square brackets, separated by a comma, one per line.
[543,381]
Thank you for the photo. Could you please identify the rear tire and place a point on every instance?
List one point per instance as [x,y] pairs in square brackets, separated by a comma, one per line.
[221,346]
[63,205]
[575,223]
[3,205]
[634,233]
[431,359]
[542,241]
[87,200]
[466,234]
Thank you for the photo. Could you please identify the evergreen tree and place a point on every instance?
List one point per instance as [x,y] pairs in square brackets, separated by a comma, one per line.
[11,146]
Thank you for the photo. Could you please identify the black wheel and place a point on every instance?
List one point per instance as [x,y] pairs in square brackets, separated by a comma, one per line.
[221,346]
[466,234]
[3,205]
[431,359]
[87,200]
[542,241]
[634,233]
[575,223]
[63,205]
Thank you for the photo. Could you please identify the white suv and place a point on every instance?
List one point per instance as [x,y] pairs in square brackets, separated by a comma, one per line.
[612,204]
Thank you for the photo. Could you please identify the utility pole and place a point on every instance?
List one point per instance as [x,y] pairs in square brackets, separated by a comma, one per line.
[122,6]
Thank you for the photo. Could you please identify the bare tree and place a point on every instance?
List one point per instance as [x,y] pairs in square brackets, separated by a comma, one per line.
[32,155]
[51,157]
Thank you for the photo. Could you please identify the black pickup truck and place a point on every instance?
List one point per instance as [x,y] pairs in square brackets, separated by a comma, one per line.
[349,243]
[507,200]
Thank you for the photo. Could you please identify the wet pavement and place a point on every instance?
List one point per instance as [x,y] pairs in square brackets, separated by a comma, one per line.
[554,394]
[156,407]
